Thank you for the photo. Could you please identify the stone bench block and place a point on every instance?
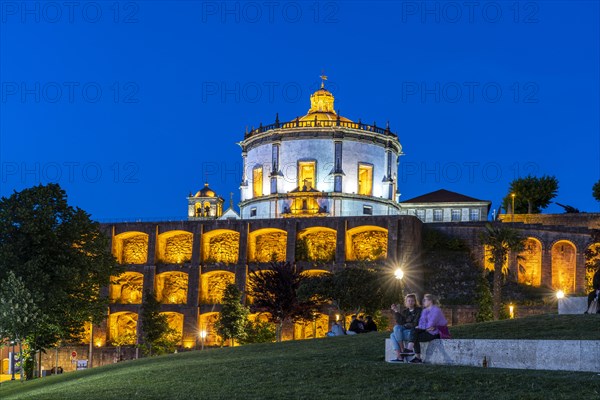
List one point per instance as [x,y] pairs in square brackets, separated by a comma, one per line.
[572,305]
[562,355]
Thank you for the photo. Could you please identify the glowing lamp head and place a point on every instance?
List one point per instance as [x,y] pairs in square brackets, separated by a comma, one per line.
[560,294]
[203,334]
[398,273]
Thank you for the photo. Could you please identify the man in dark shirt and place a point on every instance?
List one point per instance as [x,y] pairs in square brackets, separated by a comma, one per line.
[370,325]
[356,326]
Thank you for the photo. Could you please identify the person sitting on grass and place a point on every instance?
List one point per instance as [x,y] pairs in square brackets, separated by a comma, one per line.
[370,325]
[356,326]
[337,330]
[594,294]
[406,321]
[428,328]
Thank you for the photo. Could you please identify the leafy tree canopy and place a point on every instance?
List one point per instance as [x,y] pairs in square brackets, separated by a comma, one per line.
[157,336]
[276,291]
[61,256]
[596,190]
[500,240]
[532,194]
[233,316]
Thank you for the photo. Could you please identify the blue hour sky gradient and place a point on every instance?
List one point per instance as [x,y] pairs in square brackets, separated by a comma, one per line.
[130,105]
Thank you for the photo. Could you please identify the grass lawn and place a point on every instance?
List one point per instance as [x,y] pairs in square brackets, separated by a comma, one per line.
[345,367]
[548,327]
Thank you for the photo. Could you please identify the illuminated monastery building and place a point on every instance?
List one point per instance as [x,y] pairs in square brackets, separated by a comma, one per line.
[329,183]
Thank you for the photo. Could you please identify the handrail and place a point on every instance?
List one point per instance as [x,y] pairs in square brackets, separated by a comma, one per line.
[320,124]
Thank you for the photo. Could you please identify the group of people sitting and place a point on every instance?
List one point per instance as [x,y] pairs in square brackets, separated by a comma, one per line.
[357,325]
[415,325]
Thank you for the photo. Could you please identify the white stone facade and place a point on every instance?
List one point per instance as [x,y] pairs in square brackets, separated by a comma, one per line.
[357,148]
[321,164]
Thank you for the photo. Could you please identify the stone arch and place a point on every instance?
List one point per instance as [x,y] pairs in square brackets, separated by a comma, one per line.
[213,284]
[366,243]
[221,246]
[316,243]
[592,260]
[207,323]
[123,328]
[175,247]
[316,328]
[529,271]
[131,247]
[564,254]
[315,272]
[175,321]
[267,244]
[172,287]
[127,288]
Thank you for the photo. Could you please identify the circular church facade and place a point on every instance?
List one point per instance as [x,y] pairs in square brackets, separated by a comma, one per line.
[321,164]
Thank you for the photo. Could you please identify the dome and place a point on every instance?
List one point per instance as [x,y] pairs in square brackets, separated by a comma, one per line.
[322,107]
[206,192]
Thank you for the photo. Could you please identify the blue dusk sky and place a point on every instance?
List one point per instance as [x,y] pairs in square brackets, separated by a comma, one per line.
[131,105]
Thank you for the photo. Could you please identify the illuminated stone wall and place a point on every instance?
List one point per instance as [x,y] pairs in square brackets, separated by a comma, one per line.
[306,329]
[369,245]
[175,321]
[131,248]
[222,248]
[270,247]
[123,328]
[213,286]
[172,287]
[207,323]
[127,288]
[530,266]
[175,248]
[318,245]
[592,256]
[563,266]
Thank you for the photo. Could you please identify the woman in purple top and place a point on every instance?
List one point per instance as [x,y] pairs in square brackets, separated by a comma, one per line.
[427,330]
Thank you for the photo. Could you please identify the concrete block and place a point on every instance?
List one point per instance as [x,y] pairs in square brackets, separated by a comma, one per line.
[563,355]
[572,305]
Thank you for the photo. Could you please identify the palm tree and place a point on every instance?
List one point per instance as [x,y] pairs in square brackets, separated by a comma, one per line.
[500,240]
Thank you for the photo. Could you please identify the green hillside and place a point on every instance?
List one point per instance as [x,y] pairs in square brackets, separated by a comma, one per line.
[350,367]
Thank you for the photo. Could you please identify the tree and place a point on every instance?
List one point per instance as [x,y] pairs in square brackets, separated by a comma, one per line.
[61,256]
[18,312]
[532,194]
[233,316]
[157,336]
[484,300]
[596,190]
[258,332]
[352,290]
[276,291]
[501,240]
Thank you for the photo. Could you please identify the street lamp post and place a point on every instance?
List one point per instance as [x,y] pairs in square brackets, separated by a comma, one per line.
[399,275]
[12,361]
[202,337]
[513,206]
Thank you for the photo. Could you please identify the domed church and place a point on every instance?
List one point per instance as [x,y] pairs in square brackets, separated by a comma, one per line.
[319,164]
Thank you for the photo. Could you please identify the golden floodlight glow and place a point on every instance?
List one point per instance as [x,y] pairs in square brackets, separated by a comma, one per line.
[511,311]
[560,294]
[398,273]
[337,317]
